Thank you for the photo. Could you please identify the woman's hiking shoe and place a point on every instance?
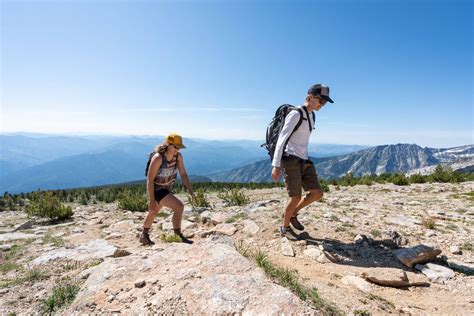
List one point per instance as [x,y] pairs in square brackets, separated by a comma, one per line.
[296,223]
[145,240]
[184,239]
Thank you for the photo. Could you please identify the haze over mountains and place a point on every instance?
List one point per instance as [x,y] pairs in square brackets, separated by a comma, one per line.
[374,160]
[31,161]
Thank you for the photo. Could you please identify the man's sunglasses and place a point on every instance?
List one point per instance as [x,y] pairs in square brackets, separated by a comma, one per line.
[321,100]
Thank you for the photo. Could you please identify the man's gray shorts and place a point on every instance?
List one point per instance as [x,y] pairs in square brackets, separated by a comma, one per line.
[299,174]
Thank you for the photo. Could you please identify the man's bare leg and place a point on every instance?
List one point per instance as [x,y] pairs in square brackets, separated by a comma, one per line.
[312,196]
[290,209]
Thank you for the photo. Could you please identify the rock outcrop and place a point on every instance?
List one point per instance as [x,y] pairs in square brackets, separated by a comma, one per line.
[207,278]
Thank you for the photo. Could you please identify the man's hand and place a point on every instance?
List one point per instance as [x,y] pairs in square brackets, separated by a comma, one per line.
[276,172]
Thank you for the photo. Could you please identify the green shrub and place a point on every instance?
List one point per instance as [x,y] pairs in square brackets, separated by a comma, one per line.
[236,217]
[386,302]
[324,186]
[399,179]
[365,180]
[3,204]
[234,197]
[106,195]
[83,200]
[34,274]
[133,202]
[417,178]
[467,246]
[48,238]
[348,180]
[48,205]
[375,232]
[428,222]
[446,174]
[200,199]
[9,266]
[440,175]
[62,295]
[170,238]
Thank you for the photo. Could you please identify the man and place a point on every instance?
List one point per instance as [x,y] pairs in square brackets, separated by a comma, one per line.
[299,170]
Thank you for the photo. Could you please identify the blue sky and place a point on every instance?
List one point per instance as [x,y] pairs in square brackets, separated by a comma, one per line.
[399,71]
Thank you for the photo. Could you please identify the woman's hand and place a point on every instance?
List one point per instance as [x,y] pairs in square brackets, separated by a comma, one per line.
[153,206]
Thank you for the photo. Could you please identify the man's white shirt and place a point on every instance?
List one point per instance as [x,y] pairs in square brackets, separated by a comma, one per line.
[298,143]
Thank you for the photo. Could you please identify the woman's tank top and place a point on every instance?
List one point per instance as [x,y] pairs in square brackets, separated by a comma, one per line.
[166,176]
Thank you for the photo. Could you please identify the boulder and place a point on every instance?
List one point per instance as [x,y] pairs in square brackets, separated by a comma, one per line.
[218,218]
[401,220]
[6,247]
[256,207]
[455,250]
[250,228]
[417,254]
[94,249]
[26,225]
[205,216]
[312,252]
[386,277]
[204,278]
[326,257]
[17,236]
[226,229]
[286,248]
[357,282]
[436,273]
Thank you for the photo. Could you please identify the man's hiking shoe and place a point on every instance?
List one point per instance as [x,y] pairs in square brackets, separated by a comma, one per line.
[288,233]
[145,240]
[296,223]
[184,239]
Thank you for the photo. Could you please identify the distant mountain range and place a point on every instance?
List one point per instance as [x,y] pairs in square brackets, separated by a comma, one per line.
[32,161]
[374,160]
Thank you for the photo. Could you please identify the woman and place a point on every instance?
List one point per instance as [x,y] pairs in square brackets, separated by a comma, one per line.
[160,178]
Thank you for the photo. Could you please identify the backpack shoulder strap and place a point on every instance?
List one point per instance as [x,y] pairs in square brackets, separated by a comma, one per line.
[296,127]
[300,120]
[309,122]
[178,157]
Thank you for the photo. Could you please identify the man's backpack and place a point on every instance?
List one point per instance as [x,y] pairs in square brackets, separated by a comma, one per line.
[276,125]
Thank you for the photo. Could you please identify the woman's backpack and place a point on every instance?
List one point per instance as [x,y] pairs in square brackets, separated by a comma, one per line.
[150,156]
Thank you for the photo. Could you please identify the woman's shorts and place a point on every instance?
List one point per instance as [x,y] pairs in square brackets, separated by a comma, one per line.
[300,174]
[160,194]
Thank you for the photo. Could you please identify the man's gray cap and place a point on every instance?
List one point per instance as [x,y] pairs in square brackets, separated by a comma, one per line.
[321,90]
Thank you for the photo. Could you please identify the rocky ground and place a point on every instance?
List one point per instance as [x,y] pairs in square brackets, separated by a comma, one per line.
[351,251]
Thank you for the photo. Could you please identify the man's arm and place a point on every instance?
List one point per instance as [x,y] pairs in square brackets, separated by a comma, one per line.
[290,123]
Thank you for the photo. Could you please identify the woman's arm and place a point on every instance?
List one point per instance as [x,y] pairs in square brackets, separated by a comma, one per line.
[155,164]
[184,175]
